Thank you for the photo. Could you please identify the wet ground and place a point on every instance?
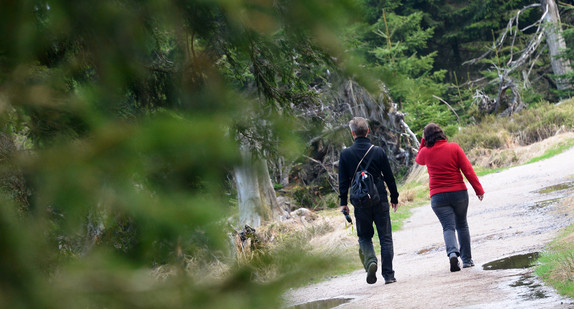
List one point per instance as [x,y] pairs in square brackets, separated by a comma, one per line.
[518,261]
[517,218]
[323,303]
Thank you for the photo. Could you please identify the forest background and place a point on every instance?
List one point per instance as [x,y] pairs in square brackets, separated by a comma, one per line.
[139,138]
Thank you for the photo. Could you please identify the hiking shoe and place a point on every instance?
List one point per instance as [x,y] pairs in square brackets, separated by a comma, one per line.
[372,273]
[390,280]
[467,264]
[454,264]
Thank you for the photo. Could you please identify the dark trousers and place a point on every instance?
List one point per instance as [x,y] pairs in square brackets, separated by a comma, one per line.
[451,209]
[365,217]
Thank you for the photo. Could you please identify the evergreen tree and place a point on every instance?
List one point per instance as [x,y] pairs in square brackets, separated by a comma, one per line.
[396,49]
[126,118]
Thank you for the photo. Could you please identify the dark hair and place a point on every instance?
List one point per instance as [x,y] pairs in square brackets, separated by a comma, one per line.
[433,133]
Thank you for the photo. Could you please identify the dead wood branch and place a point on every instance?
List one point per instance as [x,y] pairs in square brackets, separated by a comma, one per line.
[333,180]
[401,119]
[451,109]
[331,131]
[500,42]
[525,60]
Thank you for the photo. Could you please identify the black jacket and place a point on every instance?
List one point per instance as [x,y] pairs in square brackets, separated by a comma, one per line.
[379,168]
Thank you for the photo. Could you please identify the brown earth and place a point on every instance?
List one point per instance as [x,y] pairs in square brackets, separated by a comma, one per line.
[514,218]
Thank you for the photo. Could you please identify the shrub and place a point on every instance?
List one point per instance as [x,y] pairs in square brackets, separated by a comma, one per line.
[524,128]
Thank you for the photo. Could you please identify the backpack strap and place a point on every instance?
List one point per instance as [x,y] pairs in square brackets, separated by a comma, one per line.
[370,159]
[363,159]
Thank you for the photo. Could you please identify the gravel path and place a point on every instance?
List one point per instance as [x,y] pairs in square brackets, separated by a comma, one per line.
[513,219]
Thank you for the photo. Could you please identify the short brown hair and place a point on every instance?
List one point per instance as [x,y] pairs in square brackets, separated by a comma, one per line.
[433,133]
[359,126]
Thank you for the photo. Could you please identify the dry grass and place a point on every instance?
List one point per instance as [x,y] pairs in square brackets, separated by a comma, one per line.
[515,154]
[341,238]
[527,127]
[415,186]
[204,273]
[326,234]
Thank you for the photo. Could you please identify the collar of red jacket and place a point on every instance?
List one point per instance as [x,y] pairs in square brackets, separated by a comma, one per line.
[440,141]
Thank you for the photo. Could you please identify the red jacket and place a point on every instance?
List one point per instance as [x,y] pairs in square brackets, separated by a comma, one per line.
[444,163]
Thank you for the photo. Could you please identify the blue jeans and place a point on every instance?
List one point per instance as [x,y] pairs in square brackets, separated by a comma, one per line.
[365,217]
[451,208]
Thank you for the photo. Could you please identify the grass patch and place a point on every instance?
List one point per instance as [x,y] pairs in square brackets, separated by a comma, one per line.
[404,212]
[414,192]
[349,262]
[481,171]
[557,263]
[558,149]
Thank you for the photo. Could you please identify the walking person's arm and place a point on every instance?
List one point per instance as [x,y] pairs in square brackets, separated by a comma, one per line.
[420,158]
[390,181]
[468,171]
[344,181]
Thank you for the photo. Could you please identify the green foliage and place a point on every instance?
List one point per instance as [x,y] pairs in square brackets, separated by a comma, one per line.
[314,197]
[463,28]
[305,196]
[395,45]
[329,201]
[568,54]
[481,135]
[133,112]
[128,115]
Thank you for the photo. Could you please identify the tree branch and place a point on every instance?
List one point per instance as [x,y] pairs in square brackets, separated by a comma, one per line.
[452,109]
[498,44]
[333,130]
[331,177]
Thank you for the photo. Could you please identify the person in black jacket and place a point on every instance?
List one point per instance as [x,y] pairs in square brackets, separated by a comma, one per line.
[379,213]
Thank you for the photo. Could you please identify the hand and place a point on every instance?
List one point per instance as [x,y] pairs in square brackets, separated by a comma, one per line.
[480,197]
[395,206]
[344,209]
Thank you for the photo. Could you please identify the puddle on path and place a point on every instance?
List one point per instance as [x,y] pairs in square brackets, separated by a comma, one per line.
[544,204]
[558,187]
[512,262]
[322,304]
[531,288]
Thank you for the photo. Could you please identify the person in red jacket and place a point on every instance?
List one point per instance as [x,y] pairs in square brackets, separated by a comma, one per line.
[449,196]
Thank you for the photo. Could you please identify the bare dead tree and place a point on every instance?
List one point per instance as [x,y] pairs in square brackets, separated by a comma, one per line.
[501,41]
[547,27]
[522,59]
[338,102]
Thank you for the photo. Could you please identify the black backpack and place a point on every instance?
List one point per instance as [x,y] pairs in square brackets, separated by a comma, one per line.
[364,192]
